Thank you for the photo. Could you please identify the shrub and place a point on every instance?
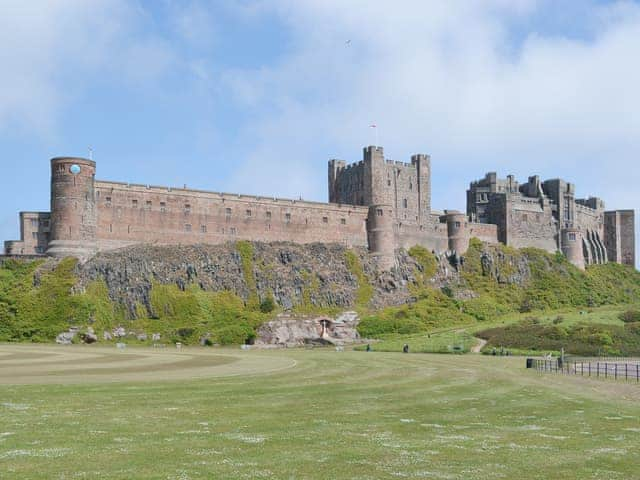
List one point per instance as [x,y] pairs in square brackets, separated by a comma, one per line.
[425,259]
[630,316]
[267,305]
[579,339]
[364,292]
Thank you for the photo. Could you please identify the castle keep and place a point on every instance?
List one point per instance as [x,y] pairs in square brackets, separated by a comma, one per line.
[375,203]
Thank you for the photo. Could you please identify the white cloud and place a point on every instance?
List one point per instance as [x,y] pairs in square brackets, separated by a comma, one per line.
[51,50]
[450,78]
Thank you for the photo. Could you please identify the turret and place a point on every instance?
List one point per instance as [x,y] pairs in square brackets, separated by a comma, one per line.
[73,208]
[571,241]
[380,235]
[457,231]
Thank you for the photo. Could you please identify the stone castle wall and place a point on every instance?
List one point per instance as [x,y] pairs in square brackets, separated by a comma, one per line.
[129,214]
[531,225]
[34,234]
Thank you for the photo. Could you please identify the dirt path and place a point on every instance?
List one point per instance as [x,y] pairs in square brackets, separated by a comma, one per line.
[478,347]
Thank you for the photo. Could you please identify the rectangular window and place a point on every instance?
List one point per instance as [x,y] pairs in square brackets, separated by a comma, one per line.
[325,220]
[343,221]
[525,218]
[148,205]
[187,227]
[269,215]
[34,223]
[134,203]
[248,213]
[163,207]
[111,228]
[572,237]
[405,204]
[45,223]
[232,230]
[287,217]
[34,235]
[227,212]
[107,201]
[187,208]
[203,229]
[457,224]
[379,212]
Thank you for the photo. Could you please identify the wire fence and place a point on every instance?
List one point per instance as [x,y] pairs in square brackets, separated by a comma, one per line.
[617,369]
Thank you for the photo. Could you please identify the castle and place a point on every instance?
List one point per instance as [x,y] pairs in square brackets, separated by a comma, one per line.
[376,203]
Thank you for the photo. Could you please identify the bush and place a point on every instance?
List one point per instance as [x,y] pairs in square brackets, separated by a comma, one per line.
[427,260]
[365,290]
[630,316]
[267,305]
[580,339]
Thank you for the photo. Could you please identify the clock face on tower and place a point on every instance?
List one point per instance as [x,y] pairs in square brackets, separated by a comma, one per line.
[75,169]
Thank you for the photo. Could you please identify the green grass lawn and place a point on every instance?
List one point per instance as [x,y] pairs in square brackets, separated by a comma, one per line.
[451,341]
[443,341]
[349,415]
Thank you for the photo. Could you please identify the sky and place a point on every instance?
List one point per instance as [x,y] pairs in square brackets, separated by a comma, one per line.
[254,96]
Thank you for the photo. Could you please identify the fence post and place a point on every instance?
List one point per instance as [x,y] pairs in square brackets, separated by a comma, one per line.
[615,365]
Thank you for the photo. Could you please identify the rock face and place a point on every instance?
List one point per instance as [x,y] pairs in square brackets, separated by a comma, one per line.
[292,274]
[65,338]
[315,276]
[294,331]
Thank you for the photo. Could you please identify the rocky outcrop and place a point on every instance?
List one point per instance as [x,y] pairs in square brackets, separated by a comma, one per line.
[313,276]
[294,331]
[293,275]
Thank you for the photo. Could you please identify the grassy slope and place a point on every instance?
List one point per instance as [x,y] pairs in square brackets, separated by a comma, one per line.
[344,415]
[554,287]
[39,312]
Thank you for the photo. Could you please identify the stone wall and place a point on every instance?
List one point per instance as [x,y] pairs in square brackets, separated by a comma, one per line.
[620,236]
[34,234]
[531,225]
[129,214]
[483,231]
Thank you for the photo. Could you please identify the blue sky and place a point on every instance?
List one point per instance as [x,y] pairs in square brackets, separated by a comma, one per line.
[256,96]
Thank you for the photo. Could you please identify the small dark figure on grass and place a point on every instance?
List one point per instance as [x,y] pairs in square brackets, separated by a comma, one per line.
[368,347]
[405,348]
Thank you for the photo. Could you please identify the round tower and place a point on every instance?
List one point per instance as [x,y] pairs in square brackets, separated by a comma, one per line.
[571,241]
[380,235]
[457,233]
[73,208]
